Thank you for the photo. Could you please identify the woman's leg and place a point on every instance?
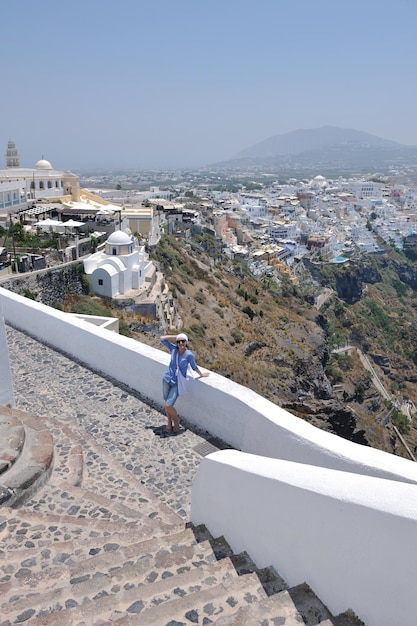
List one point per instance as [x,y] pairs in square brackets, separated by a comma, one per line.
[173,423]
[170,396]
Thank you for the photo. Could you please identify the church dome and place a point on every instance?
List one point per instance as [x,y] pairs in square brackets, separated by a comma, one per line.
[119,238]
[43,164]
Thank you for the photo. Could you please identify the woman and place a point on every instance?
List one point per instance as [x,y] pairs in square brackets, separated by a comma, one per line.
[181,358]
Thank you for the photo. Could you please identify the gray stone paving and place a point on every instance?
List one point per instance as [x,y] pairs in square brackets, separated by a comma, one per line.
[106,414]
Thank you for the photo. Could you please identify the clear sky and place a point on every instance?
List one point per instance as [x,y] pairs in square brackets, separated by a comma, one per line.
[184,83]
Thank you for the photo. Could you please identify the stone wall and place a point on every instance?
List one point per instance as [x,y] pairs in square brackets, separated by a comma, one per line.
[51,286]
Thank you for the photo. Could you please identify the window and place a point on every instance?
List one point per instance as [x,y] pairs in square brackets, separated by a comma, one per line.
[49,184]
[100,281]
[41,185]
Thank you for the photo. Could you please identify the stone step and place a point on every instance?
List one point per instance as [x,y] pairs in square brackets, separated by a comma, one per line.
[69,455]
[94,601]
[202,606]
[344,619]
[277,609]
[158,558]
[12,438]
[199,606]
[45,554]
[348,618]
[134,456]
[24,529]
[33,465]
[91,466]
[243,563]
[269,577]
[309,605]
[79,502]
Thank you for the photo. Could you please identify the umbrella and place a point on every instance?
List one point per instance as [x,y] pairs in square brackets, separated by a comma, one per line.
[50,224]
[72,224]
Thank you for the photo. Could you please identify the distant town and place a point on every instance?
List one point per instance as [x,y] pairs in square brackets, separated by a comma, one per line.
[265,218]
[326,219]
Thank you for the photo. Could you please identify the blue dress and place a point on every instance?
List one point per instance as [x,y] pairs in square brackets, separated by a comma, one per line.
[178,361]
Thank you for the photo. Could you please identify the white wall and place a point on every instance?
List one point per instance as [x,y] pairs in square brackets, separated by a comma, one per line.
[328,525]
[227,410]
[6,385]
[350,537]
[110,323]
[137,365]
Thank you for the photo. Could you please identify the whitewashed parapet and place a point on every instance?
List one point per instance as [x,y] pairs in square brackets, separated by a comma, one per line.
[348,536]
[6,384]
[227,410]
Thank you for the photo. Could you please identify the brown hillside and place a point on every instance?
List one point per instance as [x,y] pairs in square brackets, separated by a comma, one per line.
[267,336]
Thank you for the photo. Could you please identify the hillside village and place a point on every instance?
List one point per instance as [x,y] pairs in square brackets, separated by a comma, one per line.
[266,223]
[327,220]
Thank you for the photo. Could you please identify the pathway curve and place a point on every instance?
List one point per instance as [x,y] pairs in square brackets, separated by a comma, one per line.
[129,427]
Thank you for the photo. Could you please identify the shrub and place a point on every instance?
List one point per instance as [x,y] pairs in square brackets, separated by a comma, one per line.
[400,421]
[344,361]
[124,329]
[237,335]
[200,297]
[359,393]
[400,288]
[198,330]
[32,295]
[249,312]
[334,373]
[90,306]
[176,285]
[86,285]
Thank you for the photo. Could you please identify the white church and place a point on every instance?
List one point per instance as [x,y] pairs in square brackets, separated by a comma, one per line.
[122,267]
[21,185]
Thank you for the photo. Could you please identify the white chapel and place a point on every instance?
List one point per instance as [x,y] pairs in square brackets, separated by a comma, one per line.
[120,268]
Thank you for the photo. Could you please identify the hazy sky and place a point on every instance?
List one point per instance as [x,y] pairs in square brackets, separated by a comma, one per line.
[164,83]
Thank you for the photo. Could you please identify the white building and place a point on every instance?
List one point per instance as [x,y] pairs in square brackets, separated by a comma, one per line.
[20,185]
[364,189]
[254,205]
[122,267]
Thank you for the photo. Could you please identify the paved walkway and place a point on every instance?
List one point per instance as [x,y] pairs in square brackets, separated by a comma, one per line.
[52,385]
[104,541]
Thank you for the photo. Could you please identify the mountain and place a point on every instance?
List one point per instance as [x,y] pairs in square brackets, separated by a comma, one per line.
[312,140]
[329,145]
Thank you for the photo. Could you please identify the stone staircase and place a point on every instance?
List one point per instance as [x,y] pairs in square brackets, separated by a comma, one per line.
[84,542]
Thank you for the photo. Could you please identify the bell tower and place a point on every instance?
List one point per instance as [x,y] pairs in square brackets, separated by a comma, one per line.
[12,155]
